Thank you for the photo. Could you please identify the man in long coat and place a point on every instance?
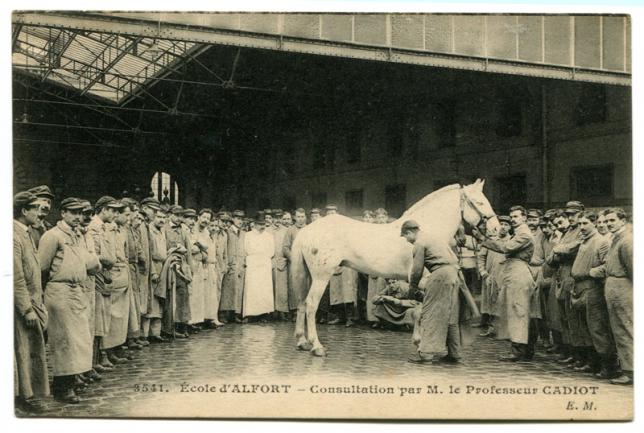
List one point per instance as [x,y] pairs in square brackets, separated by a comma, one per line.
[176,237]
[258,291]
[280,270]
[30,314]
[66,264]
[158,255]
[618,271]
[517,285]
[289,238]
[233,282]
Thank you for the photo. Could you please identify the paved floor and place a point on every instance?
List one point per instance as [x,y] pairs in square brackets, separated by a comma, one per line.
[265,353]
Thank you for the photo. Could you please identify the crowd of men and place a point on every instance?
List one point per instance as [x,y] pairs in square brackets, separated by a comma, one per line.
[112,277]
[565,277]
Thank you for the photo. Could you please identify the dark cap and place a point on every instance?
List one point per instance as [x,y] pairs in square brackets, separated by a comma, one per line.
[278,212]
[550,213]
[409,225]
[87,205]
[534,213]
[129,202]
[190,213]
[268,212]
[315,210]
[71,203]
[151,202]
[42,191]
[574,206]
[239,213]
[23,198]
[259,221]
[105,201]
[331,206]
[176,209]
[503,218]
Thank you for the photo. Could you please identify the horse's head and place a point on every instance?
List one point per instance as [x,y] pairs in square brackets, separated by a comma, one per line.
[476,208]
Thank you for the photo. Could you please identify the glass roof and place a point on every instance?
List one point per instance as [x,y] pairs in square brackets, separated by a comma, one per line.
[110,66]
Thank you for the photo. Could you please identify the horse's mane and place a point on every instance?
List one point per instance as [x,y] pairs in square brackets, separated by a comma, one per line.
[428,198]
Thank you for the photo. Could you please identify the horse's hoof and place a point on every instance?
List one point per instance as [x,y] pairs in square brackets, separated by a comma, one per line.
[319,351]
[305,346]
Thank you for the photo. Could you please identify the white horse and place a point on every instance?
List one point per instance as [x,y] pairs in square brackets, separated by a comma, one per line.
[374,249]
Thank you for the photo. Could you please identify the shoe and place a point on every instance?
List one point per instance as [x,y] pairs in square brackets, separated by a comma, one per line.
[193,329]
[132,345]
[567,360]
[79,380]
[125,353]
[606,374]
[349,323]
[142,342]
[102,369]
[375,325]
[156,339]
[486,333]
[322,321]
[93,374]
[510,358]
[622,380]
[553,349]
[209,325]
[244,321]
[30,405]
[238,320]
[584,368]
[68,397]
[114,359]
[181,335]
[418,359]
[335,321]
[105,361]
[446,360]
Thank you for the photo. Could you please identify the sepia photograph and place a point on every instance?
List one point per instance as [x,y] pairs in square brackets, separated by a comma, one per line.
[322,215]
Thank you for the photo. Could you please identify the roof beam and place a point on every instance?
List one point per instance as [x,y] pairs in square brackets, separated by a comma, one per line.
[110,65]
[278,42]
[59,55]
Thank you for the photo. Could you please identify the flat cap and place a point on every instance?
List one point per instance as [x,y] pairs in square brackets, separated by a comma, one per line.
[42,191]
[105,201]
[550,213]
[24,198]
[176,209]
[71,203]
[331,206]
[239,213]
[380,211]
[259,221]
[315,210]
[224,216]
[190,213]
[409,225]
[86,205]
[534,213]
[574,206]
[151,202]
[278,212]
[503,218]
[268,212]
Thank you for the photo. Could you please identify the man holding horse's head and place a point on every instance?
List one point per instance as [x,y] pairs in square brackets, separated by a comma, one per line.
[439,319]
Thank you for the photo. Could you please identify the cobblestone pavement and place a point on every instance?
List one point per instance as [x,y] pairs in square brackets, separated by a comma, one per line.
[266,353]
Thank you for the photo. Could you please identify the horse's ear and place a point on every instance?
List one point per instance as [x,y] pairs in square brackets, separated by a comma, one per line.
[482,183]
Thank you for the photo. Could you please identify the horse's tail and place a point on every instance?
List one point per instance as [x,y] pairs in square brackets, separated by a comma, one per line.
[299,273]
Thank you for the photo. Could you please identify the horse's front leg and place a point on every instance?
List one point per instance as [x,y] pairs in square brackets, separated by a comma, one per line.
[302,342]
[312,302]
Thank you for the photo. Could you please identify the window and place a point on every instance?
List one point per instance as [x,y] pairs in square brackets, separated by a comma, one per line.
[395,199]
[354,202]
[508,122]
[164,188]
[318,200]
[354,148]
[512,191]
[445,117]
[592,182]
[591,105]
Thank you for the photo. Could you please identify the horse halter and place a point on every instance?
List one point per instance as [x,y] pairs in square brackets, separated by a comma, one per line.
[465,199]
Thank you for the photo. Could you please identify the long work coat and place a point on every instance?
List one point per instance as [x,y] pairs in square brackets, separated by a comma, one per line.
[258,292]
[119,289]
[67,263]
[104,249]
[233,281]
[176,236]
[143,269]
[199,275]
[280,271]
[158,256]
[30,362]
[517,283]
[490,264]
[212,288]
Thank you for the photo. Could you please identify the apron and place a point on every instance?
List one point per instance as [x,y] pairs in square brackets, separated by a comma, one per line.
[70,340]
[119,308]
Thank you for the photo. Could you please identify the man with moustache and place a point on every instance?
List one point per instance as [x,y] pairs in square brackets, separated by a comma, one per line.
[602,228]
[289,238]
[517,284]
[45,202]
[149,208]
[177,237]
[220,236]
[213,278]
[158,255]
[233,283]
[202,271]
[279,268]
[134,260]
[66,264]
[287,219]
[563,256]
[30,315]
[589,302]
[618,289]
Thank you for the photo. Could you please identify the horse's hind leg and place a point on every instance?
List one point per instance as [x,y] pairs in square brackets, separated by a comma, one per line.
[312,302]
[300,322]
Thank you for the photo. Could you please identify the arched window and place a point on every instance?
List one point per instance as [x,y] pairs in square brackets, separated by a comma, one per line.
[165,188]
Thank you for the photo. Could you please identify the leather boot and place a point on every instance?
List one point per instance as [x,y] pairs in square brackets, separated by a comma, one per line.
[105,361]
[67,396]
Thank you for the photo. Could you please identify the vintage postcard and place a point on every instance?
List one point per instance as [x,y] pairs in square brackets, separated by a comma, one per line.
[366,216]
